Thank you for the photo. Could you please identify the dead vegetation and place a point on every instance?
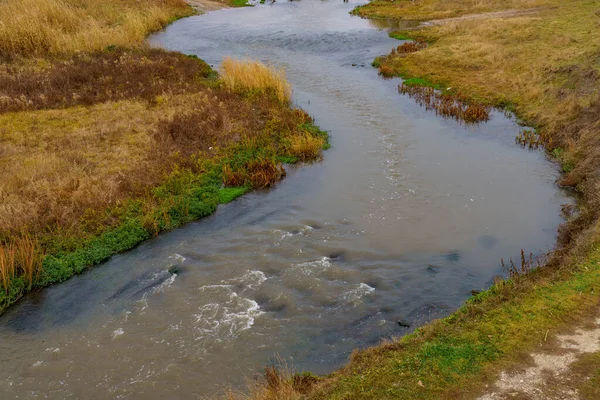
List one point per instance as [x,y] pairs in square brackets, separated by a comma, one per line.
[91,78]
[528,138]
[409,47]
[279,382]
[527,264]
[447,104]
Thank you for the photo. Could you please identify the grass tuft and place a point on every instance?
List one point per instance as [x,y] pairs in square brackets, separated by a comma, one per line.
[252,77]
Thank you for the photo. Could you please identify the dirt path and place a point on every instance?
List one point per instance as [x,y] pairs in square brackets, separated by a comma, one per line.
[497,14]
[555,372]
[204,6]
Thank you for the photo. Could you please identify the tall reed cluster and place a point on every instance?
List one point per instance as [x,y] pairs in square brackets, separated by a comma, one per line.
[20,259]
[448,104]
[254,77]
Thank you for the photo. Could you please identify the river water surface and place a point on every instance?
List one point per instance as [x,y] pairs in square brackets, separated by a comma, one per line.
[405,216]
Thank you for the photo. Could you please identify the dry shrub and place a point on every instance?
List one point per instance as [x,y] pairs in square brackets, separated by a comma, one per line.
[195,131]
[87,79]
[386,71]
[279,383]
[409,47]
[40,27]
[527,264]
[251,77]
[306,147]
[450,105]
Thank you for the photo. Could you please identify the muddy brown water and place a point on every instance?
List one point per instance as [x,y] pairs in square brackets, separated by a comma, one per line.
[406,215]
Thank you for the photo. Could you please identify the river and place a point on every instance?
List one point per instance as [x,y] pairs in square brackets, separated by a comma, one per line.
[407,213]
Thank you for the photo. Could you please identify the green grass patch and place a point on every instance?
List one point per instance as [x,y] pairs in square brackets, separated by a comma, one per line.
[240,3]
[287,159]
[422,82]
[227,195]
[400,35]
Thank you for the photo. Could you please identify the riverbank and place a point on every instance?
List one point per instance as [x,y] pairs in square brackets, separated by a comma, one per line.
[541,64]
[106,142]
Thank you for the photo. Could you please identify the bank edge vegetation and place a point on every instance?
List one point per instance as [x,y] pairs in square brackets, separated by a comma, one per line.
[105,142]
[543,65]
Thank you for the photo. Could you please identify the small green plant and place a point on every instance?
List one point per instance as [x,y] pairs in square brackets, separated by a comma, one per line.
[400,35]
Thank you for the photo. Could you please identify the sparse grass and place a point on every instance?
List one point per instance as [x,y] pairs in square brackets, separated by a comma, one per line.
[252,77]
[587,373]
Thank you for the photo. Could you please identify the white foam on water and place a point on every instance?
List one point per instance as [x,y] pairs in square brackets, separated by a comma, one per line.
[307,268]
[251,279]
[161,288]
[37,363]
[225,320]
[118,332]
[53,349]
[214,287]
[283,234]
[355,296]
[177,257]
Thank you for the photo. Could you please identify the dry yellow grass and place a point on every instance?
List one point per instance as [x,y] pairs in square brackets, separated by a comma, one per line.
[248,76]
[21,258]
[39,27]
[436,9]
[7,266]
[306,147]
[279,383]
[58,165]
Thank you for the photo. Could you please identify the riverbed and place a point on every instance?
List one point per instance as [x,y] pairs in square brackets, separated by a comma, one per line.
[405,216]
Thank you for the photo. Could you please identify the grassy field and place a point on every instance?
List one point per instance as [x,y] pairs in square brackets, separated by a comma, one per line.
[425,10]
[545,67]
[106,142]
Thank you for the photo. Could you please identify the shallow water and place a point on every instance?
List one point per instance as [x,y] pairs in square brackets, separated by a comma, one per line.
[406,215]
